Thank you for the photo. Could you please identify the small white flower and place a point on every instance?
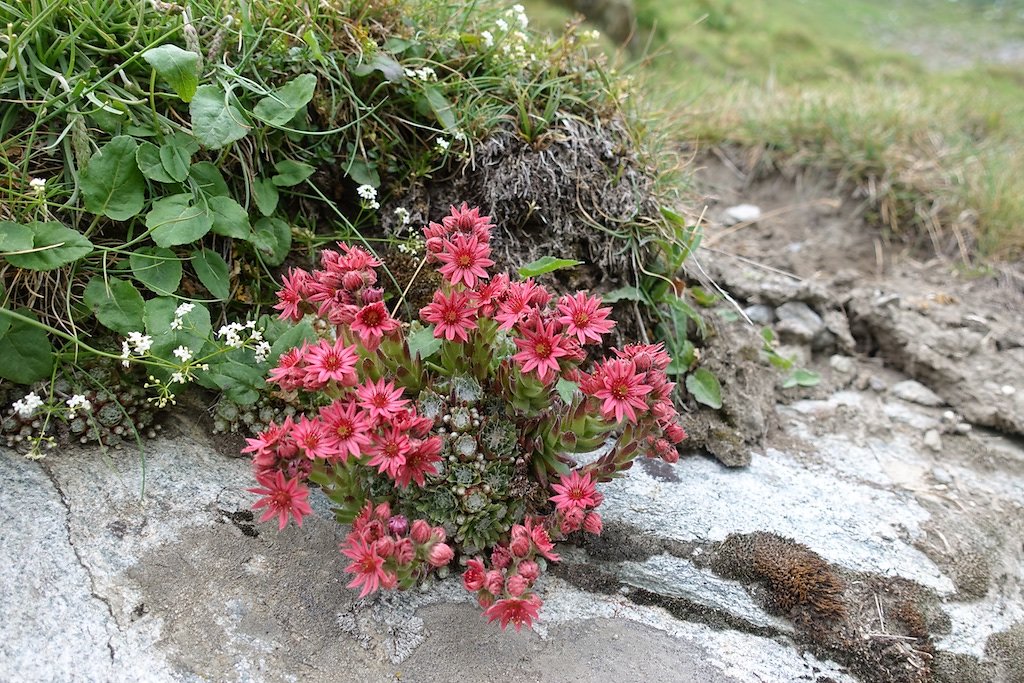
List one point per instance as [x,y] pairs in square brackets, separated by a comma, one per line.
[262,351]
[367,192]
[230,334]
[402,214]
[502,25]
[38,185]
[410,73]
[27,405]
[178,378]
[183,310]
[518,9]
[488,38]
[594,35]
[442,144]
[457,134]
[76,403]
[426,74]
[183,353]
[176,324]
[141,343]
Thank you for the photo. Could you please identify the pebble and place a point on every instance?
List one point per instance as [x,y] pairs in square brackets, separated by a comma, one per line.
[760,314]
[843,364]
[741,213]
[1008,390]
[932,440]
[798,320]
[915,392]
[877,384]
[941,475]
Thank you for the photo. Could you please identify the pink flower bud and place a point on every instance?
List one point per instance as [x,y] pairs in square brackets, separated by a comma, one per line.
[384,546]
[438,534]
[420,531]
[440,555]
[352,281]
[494,582]
[398,525]
[383,511]
[389,581]
[593,523]
[520,546]
[500,557]
[529,570]
[372,295]
[473,577]
[516,585]
[675,433]
[485,599]
[572,520]
[405,551]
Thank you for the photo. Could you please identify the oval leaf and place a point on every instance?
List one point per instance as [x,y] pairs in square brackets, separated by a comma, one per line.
[57,246]
[216,122]
[281,106]
[212,271]
[265,194]
[546,264]
[14,237]
[180,68]
[176,160]
[273,238]
[229,218]
[148,159]
[208,179]
[704,387]
[112,183]
[441,107]
[174,220]
[158,269]
[26,355]
[291,173]
[116,303]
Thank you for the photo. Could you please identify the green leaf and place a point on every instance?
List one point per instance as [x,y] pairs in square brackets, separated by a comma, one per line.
[281,106]
[704,387]
[441,107]
[624,294]
[112,183]
[58,245]
[566,389]
[194,332]
[213,272]
[802,378]
[240,382]
[704,297]
[295,335]
[175,220]
[147,156]
[215,122]
[291,173]
[180,68]
[546,264]
[423,343]
[363,173]
[26,354]
[209,179]
[14,237]
[116,303]
[384,63]
[265,194]
[158,269]
[229,218]
[273,238]
[176,160]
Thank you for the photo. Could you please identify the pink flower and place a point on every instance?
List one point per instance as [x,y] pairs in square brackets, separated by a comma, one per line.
[516,302]
[354,258]
[467,220]
[465,260]
[494,582]
[388,451]
[574,491]
[371,323]
[473,577]
[405,551]
[584,317]
[489,293]
[290,371]
[291,294]
[529,570]
[621,389]
[500,557]
[541,540]
[331,362]
[381,400]
[453,315]
[593,523]
[520,546]
[646,356]
[516,585]
[312,437]
[540,348]
[347,429]
[572,520]
[266,443]
[517,611]
[420,532]
[419,462]
[440,555]
[398,525]
[282,498]
[367,566]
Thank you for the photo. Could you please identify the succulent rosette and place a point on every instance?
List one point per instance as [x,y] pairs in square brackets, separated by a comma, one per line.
[455,436]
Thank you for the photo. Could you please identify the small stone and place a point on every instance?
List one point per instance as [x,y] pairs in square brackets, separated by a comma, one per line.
[962,427]
[799,322]
[843,364]
[1008,390]
[877,384]
[741,213]
[932,440]
[941,475]
[760,314]
[950,417]
[913,391]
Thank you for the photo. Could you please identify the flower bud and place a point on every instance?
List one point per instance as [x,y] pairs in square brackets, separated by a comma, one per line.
[485,599]
[500,557]
[384,546]
[383,510]
[473,577]
[389,581]
[398,525]
[372,295]
[593,523]
[520,546]
[529,570]
[494,582]
[405,551]
[352,281]
[516,585]
[420,531]
[440,555]
[438,534]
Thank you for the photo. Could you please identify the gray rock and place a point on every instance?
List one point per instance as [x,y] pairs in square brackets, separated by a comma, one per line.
[913,391]
[942,475]
[798,322]
[876,383]
[760,314]
[800,355]
[933,440]
[741,213]
[838,325]
[844,365]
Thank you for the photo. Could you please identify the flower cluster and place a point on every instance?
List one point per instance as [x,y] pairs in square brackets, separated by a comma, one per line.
[458,436]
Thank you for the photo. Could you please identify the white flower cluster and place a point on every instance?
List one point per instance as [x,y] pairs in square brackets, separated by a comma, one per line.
[403,216]
[179,313]
[424,73]
[136,343]
[38,186]
[76,403]
[231,334]
[26,406]
[443,144]
[514,42]
[368,195]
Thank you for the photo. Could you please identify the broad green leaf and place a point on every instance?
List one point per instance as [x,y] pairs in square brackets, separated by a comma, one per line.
[176,160]
[112,183]
[26,355]
[14,237]
[281,106]
[802,378]
[215,121]
[175,220]
[148,159]
[623,294]
[291,173]
[686,309]
[683,355]
[704,387]
[195,327]
[58,245]
[116,303]
[209,179]
[423,343]
[546,264]
[229,218]
[384,63]
[158,269]
[296,335]
[704,297]
[180,68]
[265,194]
[273,238]
[213,272]
[441,107]
[566,389]
[240,382]
[363,173]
